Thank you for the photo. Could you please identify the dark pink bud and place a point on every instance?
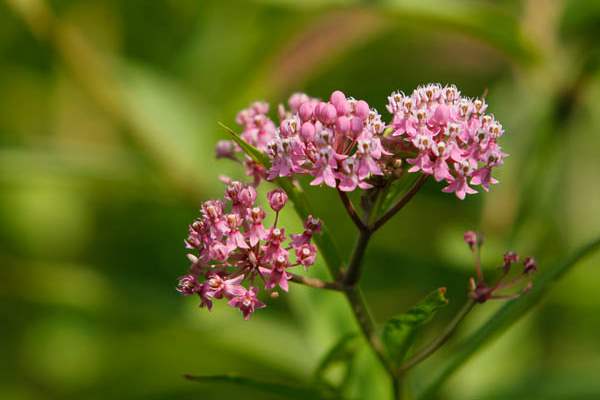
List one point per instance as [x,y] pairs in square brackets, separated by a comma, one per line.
[307,131]
[342,124]
[296,101]
[277,199]
[530,265]
[343,108]
[356,125]
[337,97]
[362,109]
[510,257]
[306,111]
[472,238]
[328,114]
[319,109]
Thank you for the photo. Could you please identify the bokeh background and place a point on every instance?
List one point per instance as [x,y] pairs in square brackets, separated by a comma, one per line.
[108,120]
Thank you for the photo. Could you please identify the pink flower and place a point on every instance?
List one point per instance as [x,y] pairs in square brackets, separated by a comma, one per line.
[256,231]
[217,287]
[247,302]
[483,177]
[188,285]
[277,275]
[306,254]
[458,184]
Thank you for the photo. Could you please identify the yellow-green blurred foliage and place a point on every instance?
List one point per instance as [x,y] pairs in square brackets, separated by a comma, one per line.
[108,119]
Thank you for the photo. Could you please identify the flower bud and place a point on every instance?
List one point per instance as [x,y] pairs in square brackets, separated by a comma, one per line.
[328,114]
[362,109]
[342,124]
[472,238]
[530,265]
[277,199]
[306,111]
[224,149]
[510,257]
[307,131]
[356,125]
[337,97]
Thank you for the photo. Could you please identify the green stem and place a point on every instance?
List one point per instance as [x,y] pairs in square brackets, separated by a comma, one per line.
[355,266]
[400,204]
[351,210]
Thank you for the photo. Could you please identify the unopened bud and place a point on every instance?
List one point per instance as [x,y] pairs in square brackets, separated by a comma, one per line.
[530,265]
[473,239]
[225,149]
[277,199]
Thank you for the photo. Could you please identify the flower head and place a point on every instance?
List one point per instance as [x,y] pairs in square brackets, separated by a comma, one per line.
[233,247]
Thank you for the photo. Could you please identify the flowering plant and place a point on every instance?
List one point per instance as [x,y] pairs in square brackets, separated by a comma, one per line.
[346,145]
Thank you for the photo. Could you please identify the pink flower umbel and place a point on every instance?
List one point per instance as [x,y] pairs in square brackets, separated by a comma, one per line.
[453,138]
[233,247]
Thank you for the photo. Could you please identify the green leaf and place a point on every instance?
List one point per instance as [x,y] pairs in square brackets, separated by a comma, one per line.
[504,318]
[400,332]
[487,22]
[287,391]
[250,150]
[342,353]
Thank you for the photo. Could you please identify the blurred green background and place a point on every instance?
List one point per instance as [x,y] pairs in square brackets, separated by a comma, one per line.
[108,119]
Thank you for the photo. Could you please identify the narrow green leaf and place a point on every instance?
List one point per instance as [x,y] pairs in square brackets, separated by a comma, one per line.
[342,352]
[487,22]
[250,150]
[288,391]
[504,318]
[400,332]
[490,23]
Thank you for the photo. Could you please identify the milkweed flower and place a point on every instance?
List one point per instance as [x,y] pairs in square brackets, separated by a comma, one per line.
[453,138]
[344,143]
[337,142]
[232,247]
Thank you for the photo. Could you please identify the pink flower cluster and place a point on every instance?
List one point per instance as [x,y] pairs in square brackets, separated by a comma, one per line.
[234,246]
[336,142]
[454,139]
[344,143]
